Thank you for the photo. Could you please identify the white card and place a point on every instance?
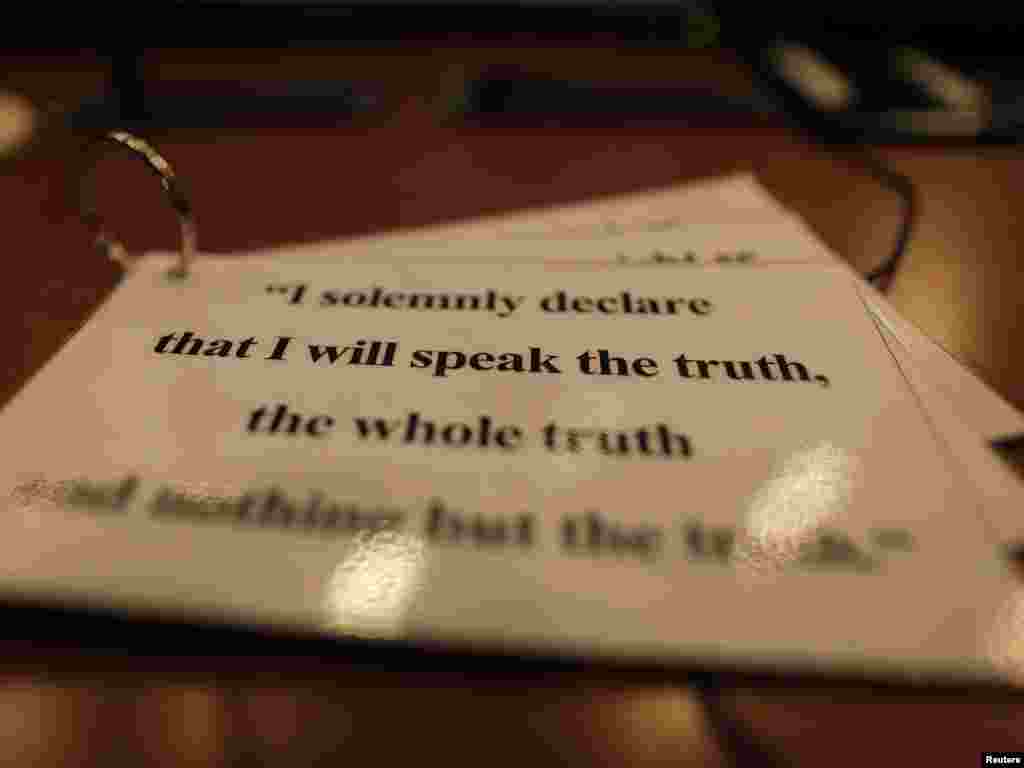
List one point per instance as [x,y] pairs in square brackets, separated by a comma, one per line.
[728,221]
[785,505]
[731,220]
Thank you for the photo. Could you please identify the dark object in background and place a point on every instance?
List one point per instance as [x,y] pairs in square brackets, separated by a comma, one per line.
[888,73]
[863,72]
[513,95]
[871,93]
[282,23]
[1011,450]
[132,103]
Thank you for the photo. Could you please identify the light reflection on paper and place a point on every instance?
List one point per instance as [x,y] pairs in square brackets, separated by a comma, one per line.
[372,588]
[811,488]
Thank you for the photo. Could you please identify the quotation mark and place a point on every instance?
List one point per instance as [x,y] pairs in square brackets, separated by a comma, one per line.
[294,291]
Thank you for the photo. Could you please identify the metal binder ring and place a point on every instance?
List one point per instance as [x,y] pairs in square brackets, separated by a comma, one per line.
[109,244]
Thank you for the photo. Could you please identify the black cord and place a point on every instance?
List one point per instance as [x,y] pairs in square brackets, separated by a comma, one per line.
[901,184]
[828,131]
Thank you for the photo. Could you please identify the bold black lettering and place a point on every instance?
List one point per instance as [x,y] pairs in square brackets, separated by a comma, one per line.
[574,436]
[244,346]
[279,348]
[643,442]
[315,427]
[442,365]
[508,437]
[547,365]
[374,353]
[670,441]
[682,364]
[412,428]
[645,366]
[255,419]
[786,365]
[763,364]
[422,358]
[585,360]
[280,411]
[449,437]
[354,299]
[300,291]
[357,353]
[476,362]
[467,301]
[554,303]
[317,351]
[161,345]
[426,299]
[703,366]
[382,429]
[510,361]
[701,307]
[550,432]
[218,348]
[186,337]
[613,444]
[605,361]
[730,370]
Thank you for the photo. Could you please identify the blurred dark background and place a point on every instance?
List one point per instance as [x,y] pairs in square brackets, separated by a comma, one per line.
[910,71]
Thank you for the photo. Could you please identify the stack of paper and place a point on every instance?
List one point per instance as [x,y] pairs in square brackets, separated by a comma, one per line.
[669,428]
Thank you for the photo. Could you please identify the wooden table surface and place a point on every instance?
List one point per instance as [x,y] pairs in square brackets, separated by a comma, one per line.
[72,694]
